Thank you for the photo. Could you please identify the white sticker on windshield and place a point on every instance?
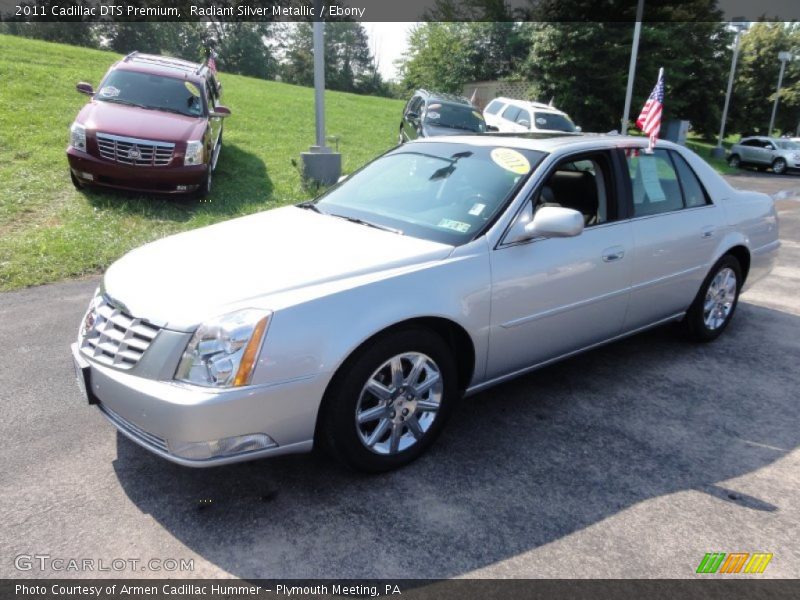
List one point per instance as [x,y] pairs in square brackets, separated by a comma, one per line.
[459,226]
[109,91]
[477,209]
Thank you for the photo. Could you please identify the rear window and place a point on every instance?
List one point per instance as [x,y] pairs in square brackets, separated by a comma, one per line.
[154,92]
[554,121]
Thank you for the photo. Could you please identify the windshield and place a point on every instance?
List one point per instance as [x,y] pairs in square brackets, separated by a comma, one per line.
[787,145]
[155,92]
[443,192]
[554,121]
[455,116]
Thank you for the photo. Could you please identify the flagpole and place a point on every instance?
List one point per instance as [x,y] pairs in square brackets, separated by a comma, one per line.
[632,67]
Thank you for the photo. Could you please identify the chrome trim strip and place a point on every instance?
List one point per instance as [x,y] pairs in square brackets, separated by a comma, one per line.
[130,140]
[562,309]
[486,384]
[658,280]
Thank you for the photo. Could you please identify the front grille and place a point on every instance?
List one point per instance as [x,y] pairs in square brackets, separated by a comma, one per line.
[134,152]
[133,430]
[115,338]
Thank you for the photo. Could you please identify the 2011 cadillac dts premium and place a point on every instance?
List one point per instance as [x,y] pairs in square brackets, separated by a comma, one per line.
[445,266]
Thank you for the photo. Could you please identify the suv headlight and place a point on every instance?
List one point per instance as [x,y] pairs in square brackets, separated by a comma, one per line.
[223,351]
[77,136]
[195,153]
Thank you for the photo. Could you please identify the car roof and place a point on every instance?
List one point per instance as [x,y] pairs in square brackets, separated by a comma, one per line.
[548,142]
[443,97]
[531,104]
[163,65]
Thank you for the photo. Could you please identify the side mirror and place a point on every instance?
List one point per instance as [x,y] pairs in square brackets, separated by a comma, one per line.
[221,111]
[578,128]
[85,88]
[342,178]
[548,222]
[492,128]
[525,123]
[412,115]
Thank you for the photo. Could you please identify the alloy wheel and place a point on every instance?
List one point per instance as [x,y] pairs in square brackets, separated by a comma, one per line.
[720,298]
[399,403]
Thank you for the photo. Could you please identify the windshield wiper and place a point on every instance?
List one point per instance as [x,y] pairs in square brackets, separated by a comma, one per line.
[125,102]
[310,205]
[368,223]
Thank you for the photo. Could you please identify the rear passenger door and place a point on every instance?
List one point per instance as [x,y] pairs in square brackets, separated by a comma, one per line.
[675,227]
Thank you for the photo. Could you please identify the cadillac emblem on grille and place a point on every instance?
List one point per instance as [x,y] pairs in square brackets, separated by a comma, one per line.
[134,153]
[88,321]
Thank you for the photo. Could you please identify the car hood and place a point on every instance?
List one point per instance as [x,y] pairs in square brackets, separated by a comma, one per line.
[182,280]
[141,123]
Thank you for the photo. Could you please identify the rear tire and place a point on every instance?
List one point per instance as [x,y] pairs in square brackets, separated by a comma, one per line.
[779,166]
[715,303]
[734,161]
[389,401]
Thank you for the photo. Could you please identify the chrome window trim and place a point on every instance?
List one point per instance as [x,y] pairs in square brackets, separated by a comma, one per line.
[130,140]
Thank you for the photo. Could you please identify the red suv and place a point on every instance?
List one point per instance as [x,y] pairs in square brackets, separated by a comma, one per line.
[154,125]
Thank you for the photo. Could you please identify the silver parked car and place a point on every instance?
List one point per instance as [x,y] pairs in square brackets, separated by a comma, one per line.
[356,321]
[776,153]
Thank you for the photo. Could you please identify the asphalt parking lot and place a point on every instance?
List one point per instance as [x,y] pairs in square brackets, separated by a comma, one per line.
[633,460]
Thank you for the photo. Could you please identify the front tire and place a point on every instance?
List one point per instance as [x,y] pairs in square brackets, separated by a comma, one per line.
[713,308]
[734,161]
[779,166]
[390,401]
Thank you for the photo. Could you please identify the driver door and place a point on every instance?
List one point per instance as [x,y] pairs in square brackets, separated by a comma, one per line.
[554,296]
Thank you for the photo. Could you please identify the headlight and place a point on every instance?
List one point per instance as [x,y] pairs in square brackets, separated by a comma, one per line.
[195,153]
[223,352]
[77,136]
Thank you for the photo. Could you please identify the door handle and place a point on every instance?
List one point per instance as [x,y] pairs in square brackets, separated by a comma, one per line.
[707,232]
[613,254]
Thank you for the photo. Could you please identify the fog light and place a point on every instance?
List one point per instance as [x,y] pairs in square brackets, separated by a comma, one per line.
[88,176]
[230,446]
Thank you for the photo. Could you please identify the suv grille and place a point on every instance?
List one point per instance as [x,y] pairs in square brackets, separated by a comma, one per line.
[115,338]
[135,152]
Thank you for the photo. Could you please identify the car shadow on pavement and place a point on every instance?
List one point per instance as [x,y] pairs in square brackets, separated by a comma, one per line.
[240,179]
[517,467]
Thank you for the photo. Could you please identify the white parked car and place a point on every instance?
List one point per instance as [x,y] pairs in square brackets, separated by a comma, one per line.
[358,320]
[518,116]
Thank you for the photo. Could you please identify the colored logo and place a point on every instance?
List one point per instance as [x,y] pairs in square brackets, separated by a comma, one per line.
[735,562]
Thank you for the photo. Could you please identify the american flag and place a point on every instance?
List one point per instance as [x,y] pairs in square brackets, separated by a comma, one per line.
[212,61]
[649,119]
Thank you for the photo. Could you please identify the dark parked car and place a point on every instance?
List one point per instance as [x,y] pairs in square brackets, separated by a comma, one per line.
[153,125]
[429,114]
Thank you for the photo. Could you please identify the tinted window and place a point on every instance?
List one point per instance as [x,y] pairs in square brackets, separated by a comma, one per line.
[455,116]
[511,113]
[494,107]
[445,192]
[555,121]
[751,143]
[654,182]
[152,91]
[693,192]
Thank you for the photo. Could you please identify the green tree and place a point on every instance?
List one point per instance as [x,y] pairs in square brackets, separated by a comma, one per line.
[757,78]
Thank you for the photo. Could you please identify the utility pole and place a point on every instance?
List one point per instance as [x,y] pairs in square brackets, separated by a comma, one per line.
[783,57]
[637,28]
[719,151]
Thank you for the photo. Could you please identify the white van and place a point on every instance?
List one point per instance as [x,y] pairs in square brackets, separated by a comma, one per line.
[516,116]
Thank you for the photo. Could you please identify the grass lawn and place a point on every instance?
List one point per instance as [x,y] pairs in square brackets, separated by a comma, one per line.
[704,147]
[50,231]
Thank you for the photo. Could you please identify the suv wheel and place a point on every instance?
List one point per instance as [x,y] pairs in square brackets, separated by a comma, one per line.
[734,161]
[716,301]
[390,401]
[779,166]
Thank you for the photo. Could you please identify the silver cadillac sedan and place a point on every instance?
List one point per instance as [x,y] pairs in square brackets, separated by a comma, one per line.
[355,322]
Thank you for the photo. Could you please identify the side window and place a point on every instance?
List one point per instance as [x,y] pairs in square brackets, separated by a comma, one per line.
[654,182]
[494,107]
[693,192]
[511,112]
[524,118]
[414,105]
[750,143]
[583,184]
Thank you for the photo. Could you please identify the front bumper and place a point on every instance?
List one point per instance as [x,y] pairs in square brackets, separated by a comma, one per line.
[160,414]
[164,180]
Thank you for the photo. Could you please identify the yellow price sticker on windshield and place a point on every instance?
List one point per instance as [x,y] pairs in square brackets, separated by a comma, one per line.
[511,160]
[192,88]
